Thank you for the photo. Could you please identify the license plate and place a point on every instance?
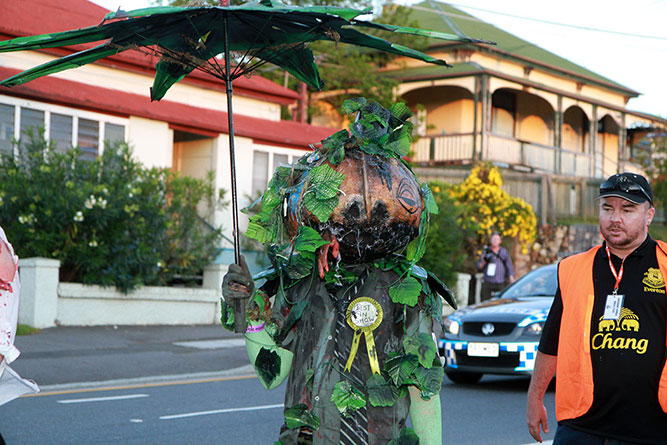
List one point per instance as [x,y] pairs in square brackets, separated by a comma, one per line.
[483,349]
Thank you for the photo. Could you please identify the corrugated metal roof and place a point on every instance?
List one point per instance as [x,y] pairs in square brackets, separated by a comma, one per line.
[445,18]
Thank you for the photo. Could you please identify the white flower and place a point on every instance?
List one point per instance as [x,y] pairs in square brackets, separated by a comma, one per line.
[102,203]
[131,195]
[92,243]
[160,264]
[90,202]
[79,216]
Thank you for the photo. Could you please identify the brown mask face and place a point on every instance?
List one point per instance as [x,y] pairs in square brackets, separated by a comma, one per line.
[378,210]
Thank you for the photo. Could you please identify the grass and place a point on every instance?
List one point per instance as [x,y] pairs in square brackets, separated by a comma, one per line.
[24,329]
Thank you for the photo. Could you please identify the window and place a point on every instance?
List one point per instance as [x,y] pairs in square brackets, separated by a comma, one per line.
[504,113]
[6,128]
[114,133]
[31,121]
[60,132]
[260,172]
[280,160]
[65,127]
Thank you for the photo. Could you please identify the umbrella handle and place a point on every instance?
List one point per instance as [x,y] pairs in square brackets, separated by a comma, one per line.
[240,324]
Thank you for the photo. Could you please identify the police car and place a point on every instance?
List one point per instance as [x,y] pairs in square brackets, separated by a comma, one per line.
[500,335]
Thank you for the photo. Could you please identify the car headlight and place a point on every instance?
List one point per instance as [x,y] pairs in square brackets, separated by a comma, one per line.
[534,329]
[452,326]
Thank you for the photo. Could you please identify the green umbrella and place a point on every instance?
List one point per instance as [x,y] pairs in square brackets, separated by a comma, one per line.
[186,39]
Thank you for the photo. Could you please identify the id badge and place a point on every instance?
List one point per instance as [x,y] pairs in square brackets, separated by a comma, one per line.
[613,306]
[491,270]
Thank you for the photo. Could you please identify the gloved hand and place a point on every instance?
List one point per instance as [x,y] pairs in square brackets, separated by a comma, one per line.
[237,282]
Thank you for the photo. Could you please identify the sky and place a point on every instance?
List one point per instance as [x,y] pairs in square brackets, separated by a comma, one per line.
[625,41]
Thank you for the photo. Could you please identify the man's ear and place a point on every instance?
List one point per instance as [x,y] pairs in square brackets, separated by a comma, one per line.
[649,216]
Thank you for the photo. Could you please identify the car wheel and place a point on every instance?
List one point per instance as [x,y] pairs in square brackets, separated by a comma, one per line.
[469,378]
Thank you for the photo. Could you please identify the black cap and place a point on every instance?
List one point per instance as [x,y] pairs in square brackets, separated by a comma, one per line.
[630,186]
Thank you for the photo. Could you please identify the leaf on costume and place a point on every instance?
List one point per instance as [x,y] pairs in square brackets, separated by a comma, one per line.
[299,415]
[310,377]
[407,437]
[406,292]
[429,380]
[257,231]
[422,346]
[267,365]
[400,368]
[400,111]
[294,314]
[352,105]
[337,154]
[300,265]
[429,200]
[381,392]
[441,289]
[322,209]
[419,272]
[325,182]
[399,141]
[308,240]
[347,398]
[227,315]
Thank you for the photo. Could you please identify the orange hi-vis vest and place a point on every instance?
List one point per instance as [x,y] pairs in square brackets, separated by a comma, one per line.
[574,370]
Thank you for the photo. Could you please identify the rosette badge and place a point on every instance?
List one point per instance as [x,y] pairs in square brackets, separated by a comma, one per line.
[364,315]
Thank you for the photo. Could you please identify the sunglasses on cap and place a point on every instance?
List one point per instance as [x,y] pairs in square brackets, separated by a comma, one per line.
[623,184]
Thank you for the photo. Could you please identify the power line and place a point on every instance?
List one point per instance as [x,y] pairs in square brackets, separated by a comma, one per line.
[549,22]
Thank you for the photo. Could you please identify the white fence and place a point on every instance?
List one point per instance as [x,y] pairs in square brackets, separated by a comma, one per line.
[45,302]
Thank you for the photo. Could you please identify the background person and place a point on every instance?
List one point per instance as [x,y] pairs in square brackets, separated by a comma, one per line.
[605,336]
[496,265]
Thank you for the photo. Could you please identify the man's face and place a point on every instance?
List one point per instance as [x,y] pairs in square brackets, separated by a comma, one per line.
[495,241]
[624,223]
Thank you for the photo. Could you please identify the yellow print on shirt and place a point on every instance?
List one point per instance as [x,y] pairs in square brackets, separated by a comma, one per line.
[627,322]
[653,280]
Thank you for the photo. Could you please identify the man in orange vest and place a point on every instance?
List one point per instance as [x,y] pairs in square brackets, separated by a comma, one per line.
[606,334]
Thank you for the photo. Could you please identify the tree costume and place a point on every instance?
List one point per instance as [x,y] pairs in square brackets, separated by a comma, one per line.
[355,337]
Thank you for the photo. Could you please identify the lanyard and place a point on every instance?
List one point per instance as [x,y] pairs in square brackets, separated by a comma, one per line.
[618,275]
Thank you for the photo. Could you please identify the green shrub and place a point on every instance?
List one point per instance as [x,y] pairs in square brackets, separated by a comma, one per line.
[445,251]
[110,221]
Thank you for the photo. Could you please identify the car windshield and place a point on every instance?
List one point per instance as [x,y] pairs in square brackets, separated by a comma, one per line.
[542,282]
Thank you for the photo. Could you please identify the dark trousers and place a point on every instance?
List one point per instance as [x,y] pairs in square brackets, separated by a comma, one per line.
[567,436]
[489,288]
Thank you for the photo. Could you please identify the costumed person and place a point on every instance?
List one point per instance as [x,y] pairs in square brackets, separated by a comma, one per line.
[496,265]
[606,335]
[345,313]
[11,385]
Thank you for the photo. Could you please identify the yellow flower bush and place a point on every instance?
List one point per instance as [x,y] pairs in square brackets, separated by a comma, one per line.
[488,208]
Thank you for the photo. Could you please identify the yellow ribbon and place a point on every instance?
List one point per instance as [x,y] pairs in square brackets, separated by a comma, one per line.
[364,315]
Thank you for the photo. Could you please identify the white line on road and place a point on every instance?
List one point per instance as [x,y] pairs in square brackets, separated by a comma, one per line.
[103,399]
[212,344]
[220,411]
[546,442]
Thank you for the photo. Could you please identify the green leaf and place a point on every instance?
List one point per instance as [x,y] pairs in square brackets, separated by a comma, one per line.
[227,315]
[429,380]
[298,416]
[347,398]
[322,209]
[336,155]
[400,111]
[381,392]
[406,292]
[429,200]
[257,231]
[407,437]
[325,182]
[308,240]
[422,346]
[399,368]
[352,105]
[267,365]
[310,377]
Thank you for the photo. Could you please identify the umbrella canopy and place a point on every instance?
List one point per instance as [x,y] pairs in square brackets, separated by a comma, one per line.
[186,39]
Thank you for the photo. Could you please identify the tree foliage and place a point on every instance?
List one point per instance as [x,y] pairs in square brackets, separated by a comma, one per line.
[110,221]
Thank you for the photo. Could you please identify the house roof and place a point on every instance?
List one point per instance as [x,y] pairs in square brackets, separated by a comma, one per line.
[179,116]
[32,17]
[443,17]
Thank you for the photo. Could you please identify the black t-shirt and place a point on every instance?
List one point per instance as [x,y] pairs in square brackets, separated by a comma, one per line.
[628,355]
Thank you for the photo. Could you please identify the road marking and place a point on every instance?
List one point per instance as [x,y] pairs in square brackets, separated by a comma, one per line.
[212,344]
[546,442]
[220,411]
[104,399]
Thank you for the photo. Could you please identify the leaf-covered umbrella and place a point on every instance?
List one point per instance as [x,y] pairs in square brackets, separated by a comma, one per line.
[186,39]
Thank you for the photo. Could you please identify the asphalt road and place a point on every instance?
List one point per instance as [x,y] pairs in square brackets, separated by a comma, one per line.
[181,385]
